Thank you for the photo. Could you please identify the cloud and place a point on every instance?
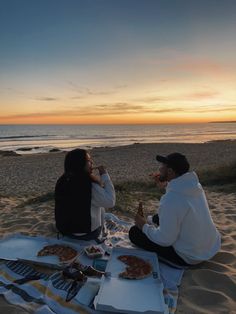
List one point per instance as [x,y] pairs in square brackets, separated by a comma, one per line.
[77,97]
[202,95]
[85,91]
[47,98]
[121,86]
[173,63]
[16,91]
[200,66]
[12,90]
[168,110]
[75,87]
[216,109]
[119,108]
[195,95]
[153,99]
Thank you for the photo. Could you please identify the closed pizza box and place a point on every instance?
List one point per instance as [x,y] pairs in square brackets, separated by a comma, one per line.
[131,296]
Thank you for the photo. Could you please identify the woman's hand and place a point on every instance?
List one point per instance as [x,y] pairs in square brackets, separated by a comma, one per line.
[101,170]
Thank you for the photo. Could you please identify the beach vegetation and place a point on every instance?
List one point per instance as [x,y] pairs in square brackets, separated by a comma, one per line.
[220,179]
[130,193]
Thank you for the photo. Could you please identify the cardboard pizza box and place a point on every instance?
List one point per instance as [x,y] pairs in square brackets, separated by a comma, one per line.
[26,248]
[131,296]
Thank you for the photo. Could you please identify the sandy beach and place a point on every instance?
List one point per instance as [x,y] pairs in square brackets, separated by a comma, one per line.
[26,204]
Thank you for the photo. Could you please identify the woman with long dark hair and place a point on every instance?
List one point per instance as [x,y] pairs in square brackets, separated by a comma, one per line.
[80,197]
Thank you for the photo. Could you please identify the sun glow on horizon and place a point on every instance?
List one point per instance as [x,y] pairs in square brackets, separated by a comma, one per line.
[113,65]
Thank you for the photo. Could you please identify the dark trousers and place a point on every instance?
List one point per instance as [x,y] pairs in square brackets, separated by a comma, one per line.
[165,254]
[94,235]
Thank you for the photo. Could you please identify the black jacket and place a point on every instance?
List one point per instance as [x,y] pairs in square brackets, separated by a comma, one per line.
[72,204]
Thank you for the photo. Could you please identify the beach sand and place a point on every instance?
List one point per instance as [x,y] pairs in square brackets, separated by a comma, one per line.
[25,207]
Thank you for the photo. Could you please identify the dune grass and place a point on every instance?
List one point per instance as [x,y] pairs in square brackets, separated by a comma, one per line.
[130,193]
[221,179]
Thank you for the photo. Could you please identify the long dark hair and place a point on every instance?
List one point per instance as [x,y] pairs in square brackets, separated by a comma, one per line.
[73,193]
[75,163]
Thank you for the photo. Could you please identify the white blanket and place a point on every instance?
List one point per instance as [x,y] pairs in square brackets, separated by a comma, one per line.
[47,295]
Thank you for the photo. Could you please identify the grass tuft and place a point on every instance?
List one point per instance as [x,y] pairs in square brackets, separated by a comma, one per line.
[222,179]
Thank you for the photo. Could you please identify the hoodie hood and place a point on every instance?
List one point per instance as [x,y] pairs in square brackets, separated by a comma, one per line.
[187,184]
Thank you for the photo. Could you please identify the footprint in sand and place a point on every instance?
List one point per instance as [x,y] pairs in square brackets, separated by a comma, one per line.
[224,257]
[214,280]
[212,265]
[199,300]
[229,246]
[233,236]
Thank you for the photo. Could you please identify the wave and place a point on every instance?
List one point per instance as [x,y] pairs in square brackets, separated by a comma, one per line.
[23,136]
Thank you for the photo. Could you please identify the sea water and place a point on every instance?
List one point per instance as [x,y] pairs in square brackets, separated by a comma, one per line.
[43,138]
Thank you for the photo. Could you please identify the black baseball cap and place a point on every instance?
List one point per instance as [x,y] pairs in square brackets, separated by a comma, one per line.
[176,161]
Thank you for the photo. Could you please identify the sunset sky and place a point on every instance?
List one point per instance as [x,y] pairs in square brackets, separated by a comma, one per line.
[117,61]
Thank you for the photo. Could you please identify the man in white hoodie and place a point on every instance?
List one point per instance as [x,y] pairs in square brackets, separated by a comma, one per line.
[183,233]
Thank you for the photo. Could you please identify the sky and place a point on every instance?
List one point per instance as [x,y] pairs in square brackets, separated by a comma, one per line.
[117,61]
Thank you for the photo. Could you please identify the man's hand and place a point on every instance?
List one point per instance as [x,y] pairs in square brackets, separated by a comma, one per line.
[156,177]
[140,221]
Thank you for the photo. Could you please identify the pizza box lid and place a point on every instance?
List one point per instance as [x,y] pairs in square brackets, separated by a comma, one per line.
[26,248]
[131,296]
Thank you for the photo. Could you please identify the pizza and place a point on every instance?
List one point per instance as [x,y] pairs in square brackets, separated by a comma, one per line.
[137,268]
[65,253]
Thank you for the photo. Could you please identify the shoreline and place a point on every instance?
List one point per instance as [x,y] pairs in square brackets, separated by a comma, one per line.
[32,150]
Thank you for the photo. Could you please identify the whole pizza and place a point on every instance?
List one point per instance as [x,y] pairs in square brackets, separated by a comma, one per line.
[137,268]
[64,253]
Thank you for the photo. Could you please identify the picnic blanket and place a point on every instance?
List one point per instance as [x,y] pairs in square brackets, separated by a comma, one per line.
[47,293]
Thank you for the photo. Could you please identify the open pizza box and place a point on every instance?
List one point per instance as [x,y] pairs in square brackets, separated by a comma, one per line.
[26,248]
[131,296]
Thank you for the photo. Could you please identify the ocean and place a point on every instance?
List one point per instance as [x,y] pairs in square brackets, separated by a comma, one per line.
[25,139]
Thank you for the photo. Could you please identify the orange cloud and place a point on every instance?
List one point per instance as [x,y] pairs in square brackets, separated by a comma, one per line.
[203,66]
[171,63]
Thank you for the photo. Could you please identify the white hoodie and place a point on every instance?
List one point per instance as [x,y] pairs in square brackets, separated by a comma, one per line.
[185,221]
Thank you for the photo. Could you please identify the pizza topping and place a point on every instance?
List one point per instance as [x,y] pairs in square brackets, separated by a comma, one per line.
[64,253]
[137,268]
[94,251]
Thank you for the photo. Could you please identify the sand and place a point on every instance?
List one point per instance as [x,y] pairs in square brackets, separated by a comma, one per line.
[209,288]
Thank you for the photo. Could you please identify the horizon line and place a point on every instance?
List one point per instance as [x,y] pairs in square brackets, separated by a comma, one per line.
[138,123]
